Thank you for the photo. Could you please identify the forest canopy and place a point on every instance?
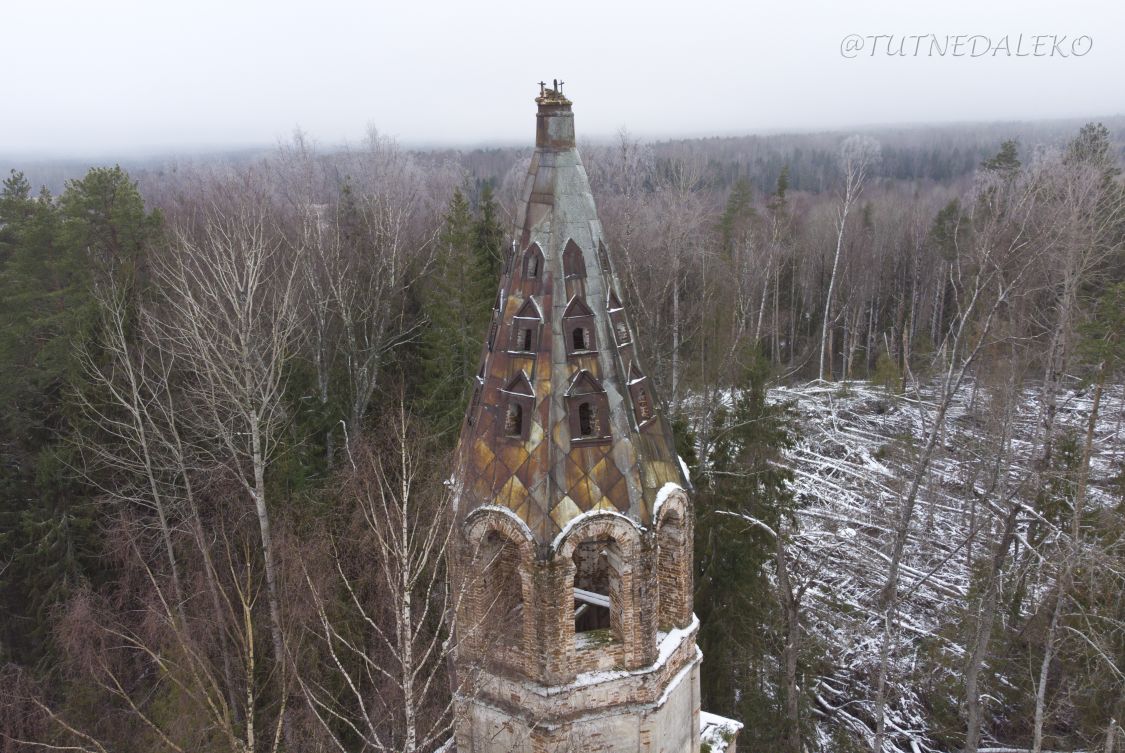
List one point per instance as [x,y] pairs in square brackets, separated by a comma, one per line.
[894,362]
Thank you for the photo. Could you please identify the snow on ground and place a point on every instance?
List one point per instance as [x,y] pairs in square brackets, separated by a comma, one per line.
[850,467]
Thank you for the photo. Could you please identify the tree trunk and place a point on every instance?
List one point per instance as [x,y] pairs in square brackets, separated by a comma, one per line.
[790,604]
[259,463]
[775,355]
[881,683]
[762,307]
[832,286]
[973,710]
[1044,673]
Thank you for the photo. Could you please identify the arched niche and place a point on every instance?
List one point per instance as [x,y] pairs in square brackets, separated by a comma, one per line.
[640,395]
[497,586]
[526,325]
[578,328]
[674,561]
[574,263]
[533,262]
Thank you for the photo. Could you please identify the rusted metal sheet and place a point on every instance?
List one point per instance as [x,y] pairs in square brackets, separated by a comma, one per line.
[577,442]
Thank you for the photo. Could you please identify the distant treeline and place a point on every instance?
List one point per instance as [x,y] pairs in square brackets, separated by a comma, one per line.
[938,153]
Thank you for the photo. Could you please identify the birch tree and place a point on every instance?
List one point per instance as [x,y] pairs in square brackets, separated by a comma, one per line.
[228,315]
[857,154]
[387,648]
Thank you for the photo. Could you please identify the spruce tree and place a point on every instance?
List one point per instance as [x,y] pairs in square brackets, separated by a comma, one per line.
[1006,161]
[744,490]
[458,304]
[51,254]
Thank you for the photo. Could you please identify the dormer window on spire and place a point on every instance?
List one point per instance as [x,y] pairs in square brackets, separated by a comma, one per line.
[641,395]
[587,409]
[519,398]
[526,324]
[574,265]
[578,328]
[533,263]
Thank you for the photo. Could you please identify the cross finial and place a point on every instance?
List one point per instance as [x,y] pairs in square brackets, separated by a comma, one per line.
[542,88]
[558,86]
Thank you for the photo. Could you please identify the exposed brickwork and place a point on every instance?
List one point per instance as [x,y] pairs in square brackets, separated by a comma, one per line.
[675,532]
[536,678]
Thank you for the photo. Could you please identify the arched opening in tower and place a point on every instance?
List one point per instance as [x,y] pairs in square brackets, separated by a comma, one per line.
[500,610]
[533,263]
[597,587]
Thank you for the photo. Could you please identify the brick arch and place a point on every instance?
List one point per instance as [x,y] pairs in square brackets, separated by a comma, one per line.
[499,591]
[674,551]
[627,580]
[596,525]
[675,502]
[484,520]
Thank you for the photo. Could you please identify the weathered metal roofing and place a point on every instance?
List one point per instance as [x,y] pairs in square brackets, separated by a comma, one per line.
[563,420]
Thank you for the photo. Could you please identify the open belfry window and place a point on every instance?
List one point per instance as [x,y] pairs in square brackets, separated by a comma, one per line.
[533,262]
[574,265]
[587,409]
[518,401]
[578,326]
[525,328]
[597,587]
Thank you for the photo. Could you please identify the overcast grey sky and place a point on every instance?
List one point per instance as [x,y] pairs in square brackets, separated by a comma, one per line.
[124,76]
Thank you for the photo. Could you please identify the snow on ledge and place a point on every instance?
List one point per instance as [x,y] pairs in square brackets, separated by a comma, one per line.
[570,524]
[669,642]
[717,732]
[662,496]
[515,518]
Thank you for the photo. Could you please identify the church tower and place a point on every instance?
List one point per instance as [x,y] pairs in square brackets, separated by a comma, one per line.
[575,629]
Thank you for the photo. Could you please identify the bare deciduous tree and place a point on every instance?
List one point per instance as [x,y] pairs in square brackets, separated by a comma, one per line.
[389,648]
[857,154]
[988,272]
[228,314]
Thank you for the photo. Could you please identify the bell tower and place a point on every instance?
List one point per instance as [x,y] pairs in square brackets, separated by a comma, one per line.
[575,628]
